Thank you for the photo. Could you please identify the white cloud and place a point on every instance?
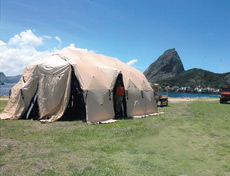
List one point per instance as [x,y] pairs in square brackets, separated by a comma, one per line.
[25,39]
[47,37]
[19,51]
[59,40]
[2,43]
[72,45]
[132,62]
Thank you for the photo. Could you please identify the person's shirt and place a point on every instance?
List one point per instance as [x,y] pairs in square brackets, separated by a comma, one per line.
[120,90]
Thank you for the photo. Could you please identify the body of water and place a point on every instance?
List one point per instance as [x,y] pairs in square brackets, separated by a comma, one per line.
[4,90]
[177,94]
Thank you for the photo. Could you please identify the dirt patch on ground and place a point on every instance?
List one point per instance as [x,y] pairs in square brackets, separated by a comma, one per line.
[188,99]
[7,98]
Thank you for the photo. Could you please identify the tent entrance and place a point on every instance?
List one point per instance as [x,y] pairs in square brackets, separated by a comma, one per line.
[123,109]
[76,106]
[33,109]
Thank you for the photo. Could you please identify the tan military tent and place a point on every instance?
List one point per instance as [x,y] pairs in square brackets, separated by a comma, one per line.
[81,83]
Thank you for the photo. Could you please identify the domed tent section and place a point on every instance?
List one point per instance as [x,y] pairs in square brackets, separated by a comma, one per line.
[73,84]
[46,84]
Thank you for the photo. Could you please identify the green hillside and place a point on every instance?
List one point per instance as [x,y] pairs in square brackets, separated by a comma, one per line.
[13,79]
[9,79]
[197,77]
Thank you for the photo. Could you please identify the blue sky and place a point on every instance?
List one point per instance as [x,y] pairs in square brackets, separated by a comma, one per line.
[135,31]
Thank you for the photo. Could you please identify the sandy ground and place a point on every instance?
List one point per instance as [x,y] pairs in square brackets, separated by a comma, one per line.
[4,98]
[187,99]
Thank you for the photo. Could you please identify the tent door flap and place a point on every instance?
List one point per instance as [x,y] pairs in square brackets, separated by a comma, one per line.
[32,105]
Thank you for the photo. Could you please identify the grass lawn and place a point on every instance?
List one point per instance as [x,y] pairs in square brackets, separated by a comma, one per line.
[190,138]
[3,104]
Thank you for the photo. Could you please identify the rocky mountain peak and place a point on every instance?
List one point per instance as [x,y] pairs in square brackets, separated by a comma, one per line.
[167,65]
[2,77]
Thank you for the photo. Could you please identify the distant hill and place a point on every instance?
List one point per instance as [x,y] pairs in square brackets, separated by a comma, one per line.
[9,79]
[168,70]
[197,77]
[166,66]
[2,77]
[13,79]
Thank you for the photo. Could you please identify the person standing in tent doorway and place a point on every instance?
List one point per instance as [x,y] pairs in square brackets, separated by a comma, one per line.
[119,99]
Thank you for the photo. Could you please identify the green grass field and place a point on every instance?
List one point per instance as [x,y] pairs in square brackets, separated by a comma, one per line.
[190,138]
[3,104]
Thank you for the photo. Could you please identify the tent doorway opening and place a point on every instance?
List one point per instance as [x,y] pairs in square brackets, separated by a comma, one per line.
[119,103]
[33,109]
[76,107]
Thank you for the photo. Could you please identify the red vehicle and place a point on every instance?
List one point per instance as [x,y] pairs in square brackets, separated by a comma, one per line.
[225,94]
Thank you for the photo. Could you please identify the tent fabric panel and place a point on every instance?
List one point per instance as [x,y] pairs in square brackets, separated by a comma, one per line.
[15,105]
[103,78]
[150,104]
[135,104]
[53,93]
[21,94]
[99,105]
[87,66]
[108,76]
[84,74]
[134,100]
[52,65]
